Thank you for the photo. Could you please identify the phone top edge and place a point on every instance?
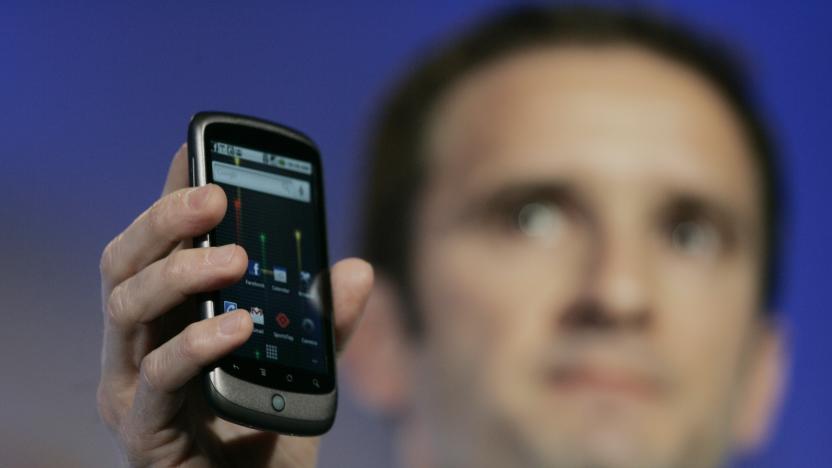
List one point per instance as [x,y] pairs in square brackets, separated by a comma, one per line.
[202,119]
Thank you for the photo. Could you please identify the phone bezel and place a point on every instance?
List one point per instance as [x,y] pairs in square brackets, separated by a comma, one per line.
[277,141]
[243,396]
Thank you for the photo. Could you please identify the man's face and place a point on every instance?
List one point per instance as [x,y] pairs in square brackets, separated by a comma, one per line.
[587,262]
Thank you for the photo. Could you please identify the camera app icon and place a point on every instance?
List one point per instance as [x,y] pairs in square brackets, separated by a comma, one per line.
[305,281]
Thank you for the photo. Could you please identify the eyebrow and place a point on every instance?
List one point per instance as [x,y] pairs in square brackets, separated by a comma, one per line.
[699,204]
[690,203]
[514,192]
[509,194]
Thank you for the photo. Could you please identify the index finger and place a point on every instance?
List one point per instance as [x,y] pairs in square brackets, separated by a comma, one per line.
[179,215]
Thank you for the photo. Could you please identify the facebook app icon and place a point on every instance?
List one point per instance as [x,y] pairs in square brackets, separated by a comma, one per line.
[253,268]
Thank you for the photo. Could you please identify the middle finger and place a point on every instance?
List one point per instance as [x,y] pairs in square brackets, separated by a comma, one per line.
[180,215]
[158,288]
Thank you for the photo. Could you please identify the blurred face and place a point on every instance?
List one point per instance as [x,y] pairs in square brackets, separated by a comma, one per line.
[587,259]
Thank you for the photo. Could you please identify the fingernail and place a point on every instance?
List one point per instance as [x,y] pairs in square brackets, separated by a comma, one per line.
[221,255]
[195,198]
[229,323]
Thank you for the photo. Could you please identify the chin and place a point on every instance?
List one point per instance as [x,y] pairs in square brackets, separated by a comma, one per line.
[610,447]
[596,439]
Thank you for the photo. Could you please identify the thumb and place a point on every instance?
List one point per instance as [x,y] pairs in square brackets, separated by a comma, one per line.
[352,280]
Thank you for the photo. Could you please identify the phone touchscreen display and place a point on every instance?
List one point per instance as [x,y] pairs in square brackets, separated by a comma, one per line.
[273,213]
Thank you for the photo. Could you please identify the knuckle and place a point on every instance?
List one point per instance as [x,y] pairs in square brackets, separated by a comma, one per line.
[106,408]
[117,306]
[156,216]
[178,201]
[175,268]
[134,447]
[107,262]
[189,346]
[151,371]
[163,448]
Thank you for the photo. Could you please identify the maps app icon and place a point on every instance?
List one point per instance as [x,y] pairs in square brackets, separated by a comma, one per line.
[257,316]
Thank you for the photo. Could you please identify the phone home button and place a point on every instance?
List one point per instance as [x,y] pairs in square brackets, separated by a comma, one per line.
[278,402]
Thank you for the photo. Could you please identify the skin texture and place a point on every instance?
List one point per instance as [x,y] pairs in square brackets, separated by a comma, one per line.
[148,394]
[587,259]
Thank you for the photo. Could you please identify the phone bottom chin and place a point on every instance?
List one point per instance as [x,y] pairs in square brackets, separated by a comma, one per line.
[271,410]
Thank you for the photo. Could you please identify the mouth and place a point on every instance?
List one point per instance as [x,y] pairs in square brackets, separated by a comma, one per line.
[571,380]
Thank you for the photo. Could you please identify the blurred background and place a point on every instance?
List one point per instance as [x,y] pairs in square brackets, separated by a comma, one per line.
[96,98]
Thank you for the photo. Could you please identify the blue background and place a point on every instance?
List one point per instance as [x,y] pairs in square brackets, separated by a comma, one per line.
[96,98]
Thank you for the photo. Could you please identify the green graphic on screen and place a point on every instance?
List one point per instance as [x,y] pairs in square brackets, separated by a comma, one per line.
[271,214]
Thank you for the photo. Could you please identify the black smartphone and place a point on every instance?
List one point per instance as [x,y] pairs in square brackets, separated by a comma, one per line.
[283,378]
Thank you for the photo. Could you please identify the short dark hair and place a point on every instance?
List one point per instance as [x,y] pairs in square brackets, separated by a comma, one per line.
[398,168]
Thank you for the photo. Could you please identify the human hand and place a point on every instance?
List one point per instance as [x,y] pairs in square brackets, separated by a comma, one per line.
[152,353]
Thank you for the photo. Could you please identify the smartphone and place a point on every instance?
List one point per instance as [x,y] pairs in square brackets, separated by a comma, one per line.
[283,378]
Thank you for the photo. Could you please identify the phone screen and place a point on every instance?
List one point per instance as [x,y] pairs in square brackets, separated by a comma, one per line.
[275,212]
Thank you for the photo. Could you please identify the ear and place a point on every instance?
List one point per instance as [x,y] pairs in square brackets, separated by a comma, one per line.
[376,361]
[763,388]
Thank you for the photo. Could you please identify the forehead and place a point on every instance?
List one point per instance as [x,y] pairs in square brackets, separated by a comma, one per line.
[614,114]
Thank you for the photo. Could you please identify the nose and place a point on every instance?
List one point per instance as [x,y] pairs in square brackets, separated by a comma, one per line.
[616,290]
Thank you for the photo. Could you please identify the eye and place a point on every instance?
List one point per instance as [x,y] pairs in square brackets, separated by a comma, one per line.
[540,219]
[695,238]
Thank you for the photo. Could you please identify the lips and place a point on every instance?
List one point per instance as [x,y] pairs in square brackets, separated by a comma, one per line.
[587,378]
[625,367]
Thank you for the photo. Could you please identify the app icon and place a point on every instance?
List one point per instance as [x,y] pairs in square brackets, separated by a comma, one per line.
[271,352]
[308,325]
[253,268]
[279,274]
[305,280]
[283,320]
[228,306]
[257,315]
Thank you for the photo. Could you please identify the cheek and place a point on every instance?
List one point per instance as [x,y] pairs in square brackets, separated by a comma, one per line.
[706,312]
[490,306]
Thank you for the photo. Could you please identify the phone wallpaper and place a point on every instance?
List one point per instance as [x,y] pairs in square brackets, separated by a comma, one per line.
[279,233]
